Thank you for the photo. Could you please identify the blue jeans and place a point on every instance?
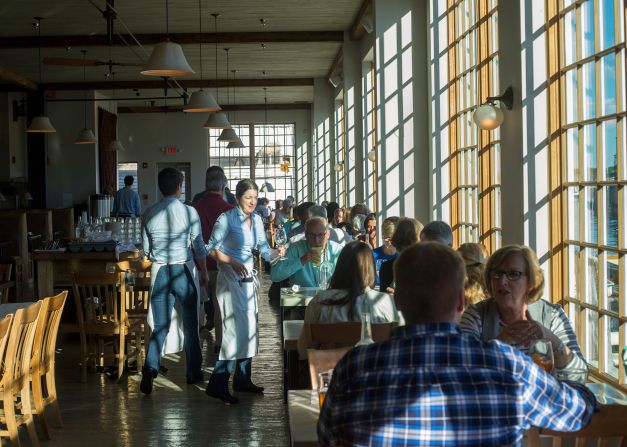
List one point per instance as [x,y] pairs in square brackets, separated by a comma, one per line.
[174,282]
[222,371]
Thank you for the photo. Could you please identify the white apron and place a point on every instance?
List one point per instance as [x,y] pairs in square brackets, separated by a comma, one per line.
[238,305]
[175,339]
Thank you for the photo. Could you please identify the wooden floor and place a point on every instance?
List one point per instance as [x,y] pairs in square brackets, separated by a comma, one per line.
[103,412]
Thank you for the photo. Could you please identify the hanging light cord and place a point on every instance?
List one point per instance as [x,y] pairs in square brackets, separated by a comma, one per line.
[215,17]
[39,46]
[200,37]
[84,87]
[167,21]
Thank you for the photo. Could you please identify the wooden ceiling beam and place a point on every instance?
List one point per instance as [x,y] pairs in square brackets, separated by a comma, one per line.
[226,108]
[16,78]
[101,40]
[357,29]
[158,84]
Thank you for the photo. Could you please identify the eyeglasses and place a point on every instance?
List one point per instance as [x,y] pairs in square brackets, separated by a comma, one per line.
[316,235]
[511,275]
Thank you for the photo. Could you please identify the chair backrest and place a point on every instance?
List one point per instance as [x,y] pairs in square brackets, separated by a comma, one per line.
[19,347]
[321,360]
[343,334]
[96,296]
[46,333]
[5,325]
[610,422]
[136,298]
[5,272]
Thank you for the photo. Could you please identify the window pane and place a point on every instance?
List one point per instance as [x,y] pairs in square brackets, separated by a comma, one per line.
[608,84]
[570,37]
[610,326]
[572,154]
[570,99]
[591,266]
[591,338]
[590,194]
[608,143]
[587,18]
[573,213]
[589,92]
[611,216]
[125,169]
[590,152]
[606,16]
[574,252]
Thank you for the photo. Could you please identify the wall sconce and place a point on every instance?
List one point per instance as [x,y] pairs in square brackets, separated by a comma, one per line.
[335,80]
[367,23]
[488,116]
[339,167]
[372,155]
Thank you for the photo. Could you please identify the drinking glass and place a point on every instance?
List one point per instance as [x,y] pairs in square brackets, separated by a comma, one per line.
[324,275]
[541,353]
[280,239]
[324,378]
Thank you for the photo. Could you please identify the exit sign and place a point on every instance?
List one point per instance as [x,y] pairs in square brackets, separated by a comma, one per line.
[170,150]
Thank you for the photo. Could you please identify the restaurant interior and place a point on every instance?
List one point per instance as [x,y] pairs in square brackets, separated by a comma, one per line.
[506,119]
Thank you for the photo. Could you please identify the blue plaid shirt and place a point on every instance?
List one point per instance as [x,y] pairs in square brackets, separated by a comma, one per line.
[431,385]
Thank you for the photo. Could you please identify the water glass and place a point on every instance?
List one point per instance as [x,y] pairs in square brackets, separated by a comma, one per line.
[541,352]
[324,275]
[324,378]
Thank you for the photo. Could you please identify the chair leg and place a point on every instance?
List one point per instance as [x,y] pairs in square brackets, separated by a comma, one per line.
[101,353]
[83,357]
[121,354]
[51,387]
[11,422]
[27,414]
[40,407]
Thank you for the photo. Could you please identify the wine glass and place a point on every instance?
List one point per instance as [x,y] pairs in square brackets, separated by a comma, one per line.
[324,275]
[280,239]
[541,353]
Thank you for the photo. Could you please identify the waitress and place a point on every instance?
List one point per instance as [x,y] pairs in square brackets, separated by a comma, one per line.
[235,234]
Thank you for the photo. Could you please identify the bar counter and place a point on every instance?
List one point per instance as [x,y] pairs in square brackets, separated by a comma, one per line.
[54,269]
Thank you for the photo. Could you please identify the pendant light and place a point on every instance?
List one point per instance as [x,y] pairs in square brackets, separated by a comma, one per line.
[217,120]
[201,101]
[40,124]
[235,144]
[167,58]
[228,135]
[115,145]
[85,136]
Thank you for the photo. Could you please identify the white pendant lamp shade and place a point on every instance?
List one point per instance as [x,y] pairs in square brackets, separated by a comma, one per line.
[488,117]
[339,167]
[167,59]
[41,124]
[115,146]
[202,101]
[86,136]
[372,155]
[217,120]
[236,144]
[228,135]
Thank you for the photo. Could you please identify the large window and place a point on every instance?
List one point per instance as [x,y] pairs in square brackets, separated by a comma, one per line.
[268,157]
[125,169]
[464,68]
[340,145]
[587,109]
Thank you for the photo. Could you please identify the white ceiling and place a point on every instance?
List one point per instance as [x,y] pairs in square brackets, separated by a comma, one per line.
[278,60]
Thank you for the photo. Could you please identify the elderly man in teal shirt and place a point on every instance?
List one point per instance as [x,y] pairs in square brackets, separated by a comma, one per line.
[298,265]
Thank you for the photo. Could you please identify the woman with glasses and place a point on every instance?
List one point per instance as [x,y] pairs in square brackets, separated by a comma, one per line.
[514,312]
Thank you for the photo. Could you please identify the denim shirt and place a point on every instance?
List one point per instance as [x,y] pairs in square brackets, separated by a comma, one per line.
[127,202]
[232,237]
[169,230]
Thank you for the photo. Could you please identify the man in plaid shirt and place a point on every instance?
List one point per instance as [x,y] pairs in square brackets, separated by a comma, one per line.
[431,384]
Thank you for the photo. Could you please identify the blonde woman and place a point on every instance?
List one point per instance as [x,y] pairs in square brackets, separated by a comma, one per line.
[474,256]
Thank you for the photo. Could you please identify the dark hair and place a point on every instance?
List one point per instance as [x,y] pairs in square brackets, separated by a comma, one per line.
[407,233]
[169,180]
[128,180]
[437,231]
[354,271]
[303,208]
[215,181]
[245,185]
[211,170]
[371,216]
[331,207]
[429,278]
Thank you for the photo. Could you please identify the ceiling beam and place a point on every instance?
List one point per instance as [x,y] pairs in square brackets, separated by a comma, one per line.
[16,78]
[357,29]
[192,83]
[339,57]
[226,108]
[101,40]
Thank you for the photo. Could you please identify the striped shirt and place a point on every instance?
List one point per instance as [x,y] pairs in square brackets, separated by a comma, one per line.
[432,385]
[483,321]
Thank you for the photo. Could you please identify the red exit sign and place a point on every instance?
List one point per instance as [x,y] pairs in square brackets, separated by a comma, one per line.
[170,150]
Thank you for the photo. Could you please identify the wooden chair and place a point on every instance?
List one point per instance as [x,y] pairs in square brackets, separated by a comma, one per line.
[5,282]
[321,360]
[136,300]
[335,335]
[100,315]
[15,383]
[43,360]
[610,422]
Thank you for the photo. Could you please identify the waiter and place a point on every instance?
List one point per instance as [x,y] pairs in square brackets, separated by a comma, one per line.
[172,240]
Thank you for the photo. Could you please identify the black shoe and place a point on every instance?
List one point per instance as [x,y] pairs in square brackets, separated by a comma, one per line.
[248,388]
[224,396]
[195,378]
[148,375]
